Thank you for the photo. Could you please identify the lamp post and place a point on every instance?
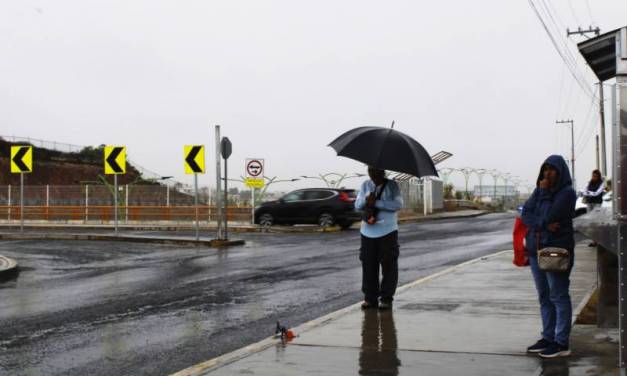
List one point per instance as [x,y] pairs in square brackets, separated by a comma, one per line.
[480,174]
[495,175]
[466,171]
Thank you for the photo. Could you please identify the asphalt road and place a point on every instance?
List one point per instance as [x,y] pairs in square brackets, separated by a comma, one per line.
[105,308]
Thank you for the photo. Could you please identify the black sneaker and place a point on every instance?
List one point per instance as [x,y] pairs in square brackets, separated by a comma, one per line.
[555,351]
[539,346]
[369,305]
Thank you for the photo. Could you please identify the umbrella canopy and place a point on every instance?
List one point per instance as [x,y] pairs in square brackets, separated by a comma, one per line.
[385,148]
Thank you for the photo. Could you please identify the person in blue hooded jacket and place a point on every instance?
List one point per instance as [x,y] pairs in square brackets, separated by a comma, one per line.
[549,214]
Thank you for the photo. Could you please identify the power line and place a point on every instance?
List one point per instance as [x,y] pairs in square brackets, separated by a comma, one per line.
[565,54]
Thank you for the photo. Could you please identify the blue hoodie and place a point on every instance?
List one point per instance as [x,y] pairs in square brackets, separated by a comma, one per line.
[546,206]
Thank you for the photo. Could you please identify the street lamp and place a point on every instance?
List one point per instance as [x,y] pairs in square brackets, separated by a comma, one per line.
[466,171]
[480,174]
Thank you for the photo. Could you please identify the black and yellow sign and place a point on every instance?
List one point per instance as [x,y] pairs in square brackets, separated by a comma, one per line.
[115,160]
[194,159]
[21,159]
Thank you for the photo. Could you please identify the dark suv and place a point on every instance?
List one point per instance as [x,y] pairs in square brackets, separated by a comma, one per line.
[323,206]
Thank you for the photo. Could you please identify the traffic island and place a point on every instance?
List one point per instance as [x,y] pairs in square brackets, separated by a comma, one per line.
[214,243]
[8,267]
[476,318]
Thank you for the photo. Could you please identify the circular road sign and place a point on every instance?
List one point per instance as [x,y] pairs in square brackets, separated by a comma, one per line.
[254,168]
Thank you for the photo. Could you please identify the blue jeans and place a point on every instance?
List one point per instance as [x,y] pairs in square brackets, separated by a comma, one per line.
[555,304]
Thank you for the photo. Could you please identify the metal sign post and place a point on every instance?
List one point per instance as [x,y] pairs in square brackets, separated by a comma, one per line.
[115,202]
[196,206]
[21,202]
[226,149]
[218,184]
[255,170]
[115,164]
[194,156]
[21,163]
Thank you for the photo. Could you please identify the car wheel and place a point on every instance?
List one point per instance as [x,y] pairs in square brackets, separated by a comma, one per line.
[266,220]
[326,220]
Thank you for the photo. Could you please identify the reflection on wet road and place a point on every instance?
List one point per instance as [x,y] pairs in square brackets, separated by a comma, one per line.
[104,308]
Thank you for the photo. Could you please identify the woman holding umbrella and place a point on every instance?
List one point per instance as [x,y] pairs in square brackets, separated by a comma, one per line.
[380,199]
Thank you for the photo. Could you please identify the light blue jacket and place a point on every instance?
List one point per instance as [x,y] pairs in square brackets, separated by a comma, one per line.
[390,203]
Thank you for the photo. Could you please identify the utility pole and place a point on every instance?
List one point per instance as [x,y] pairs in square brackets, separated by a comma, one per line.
[596,32]
[572,146]
[597,152]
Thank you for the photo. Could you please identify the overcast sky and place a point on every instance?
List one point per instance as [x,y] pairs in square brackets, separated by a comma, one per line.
[284,78]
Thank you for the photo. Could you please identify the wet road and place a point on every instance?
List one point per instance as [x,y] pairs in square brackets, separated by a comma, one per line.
[99,308]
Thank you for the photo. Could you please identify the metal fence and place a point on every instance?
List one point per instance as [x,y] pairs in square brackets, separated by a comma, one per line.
[95,203]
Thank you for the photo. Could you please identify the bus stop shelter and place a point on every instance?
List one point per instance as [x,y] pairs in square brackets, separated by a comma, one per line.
[607,57]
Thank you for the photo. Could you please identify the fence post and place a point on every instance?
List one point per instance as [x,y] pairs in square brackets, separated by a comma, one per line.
[126,205]
[86,203]
[47,202]
[9,197]
[167,195]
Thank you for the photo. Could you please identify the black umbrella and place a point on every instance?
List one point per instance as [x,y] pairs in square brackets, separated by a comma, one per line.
[385,148]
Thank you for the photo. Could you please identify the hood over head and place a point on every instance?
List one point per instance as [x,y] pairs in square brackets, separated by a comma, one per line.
[558,162]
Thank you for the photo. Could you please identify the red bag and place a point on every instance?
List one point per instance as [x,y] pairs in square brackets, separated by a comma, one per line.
[520,253]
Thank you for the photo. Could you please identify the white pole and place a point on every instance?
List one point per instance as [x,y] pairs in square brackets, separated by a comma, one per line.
[218,183]
[10,203]
[253,206]
[22,202]
[425,210]
[167,195]
[126,204]
[196,206]
[47,195]
[86,203]
[115,202]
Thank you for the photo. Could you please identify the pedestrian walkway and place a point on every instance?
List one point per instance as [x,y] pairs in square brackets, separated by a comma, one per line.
[473,319]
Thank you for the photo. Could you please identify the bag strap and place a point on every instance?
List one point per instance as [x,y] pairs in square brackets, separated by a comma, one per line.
[537,241]
[385,182]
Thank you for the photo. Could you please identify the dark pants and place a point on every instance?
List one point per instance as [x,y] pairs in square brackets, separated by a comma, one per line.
[374,252]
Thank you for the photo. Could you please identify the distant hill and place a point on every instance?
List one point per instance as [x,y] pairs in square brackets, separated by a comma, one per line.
[61,168]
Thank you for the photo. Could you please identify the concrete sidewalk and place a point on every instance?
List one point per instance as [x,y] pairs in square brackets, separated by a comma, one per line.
[474,319]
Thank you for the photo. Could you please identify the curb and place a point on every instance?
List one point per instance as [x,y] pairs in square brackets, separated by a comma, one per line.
[7,265]
[441,218]
[214,243]
[220,361]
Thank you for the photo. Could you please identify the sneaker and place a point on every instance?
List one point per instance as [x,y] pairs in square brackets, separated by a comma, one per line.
[385,305]
[539,346]
[555,350]
[369,305]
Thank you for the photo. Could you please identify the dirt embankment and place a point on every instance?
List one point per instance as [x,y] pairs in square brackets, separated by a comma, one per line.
[59,168]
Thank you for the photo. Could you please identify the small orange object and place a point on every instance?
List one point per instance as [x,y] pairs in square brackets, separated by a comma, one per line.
[289,335]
